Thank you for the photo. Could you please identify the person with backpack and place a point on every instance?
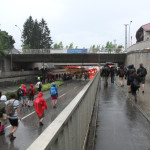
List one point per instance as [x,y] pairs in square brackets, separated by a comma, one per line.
[31,93]
[112,74]
[3,117]
[54,95]
[135,83]
[105,74]
[40,104]
[121,75]
[19,92]
[128,76]
[13,112]
[142,72]
[23,95]
[39,85]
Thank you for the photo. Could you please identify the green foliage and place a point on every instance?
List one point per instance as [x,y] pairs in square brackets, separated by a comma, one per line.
[58,46]
[71,46]
[94,49]
[36,35]
[6,42]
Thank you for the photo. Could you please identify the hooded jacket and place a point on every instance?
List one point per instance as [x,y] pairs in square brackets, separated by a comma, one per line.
[31,87]
[40,104]
[24,89]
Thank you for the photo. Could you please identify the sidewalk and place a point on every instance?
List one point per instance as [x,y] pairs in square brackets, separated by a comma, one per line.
[143,103]
[120,124]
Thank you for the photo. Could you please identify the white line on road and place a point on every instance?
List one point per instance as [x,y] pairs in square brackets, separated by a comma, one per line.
[33,112]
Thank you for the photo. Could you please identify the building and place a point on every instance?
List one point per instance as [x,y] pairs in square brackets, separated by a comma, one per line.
[143,33]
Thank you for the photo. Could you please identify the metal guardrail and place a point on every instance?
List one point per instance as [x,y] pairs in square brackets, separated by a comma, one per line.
[70,129]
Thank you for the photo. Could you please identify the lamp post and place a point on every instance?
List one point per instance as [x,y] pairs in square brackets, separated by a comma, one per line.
[126,36]
[129,35]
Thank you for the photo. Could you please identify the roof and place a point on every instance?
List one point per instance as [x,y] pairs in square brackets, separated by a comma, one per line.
[146,27]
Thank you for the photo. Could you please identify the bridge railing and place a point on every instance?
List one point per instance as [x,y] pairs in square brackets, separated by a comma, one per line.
[70,129]
[36,51]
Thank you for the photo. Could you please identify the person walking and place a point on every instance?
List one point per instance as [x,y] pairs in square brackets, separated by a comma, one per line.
[112,74]
[39,85]
[3,117]
[54,95]
[142,72]
[121,75]
[105,74]
[40,104]
[24,95]
[31,93]
[135,83]
[13,117]
[128,76]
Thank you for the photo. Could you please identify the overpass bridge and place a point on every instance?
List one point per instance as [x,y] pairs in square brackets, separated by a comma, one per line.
[68,58]
[28,60]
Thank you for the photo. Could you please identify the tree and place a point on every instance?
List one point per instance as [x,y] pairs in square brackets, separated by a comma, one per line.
[109,46]
[46,41]
[28,32]
[36,35]
[94,48]
[6,42]
[70,46]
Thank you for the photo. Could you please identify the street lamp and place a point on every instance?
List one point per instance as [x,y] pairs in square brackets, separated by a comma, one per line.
[126,36]
[18,28]
[129,34]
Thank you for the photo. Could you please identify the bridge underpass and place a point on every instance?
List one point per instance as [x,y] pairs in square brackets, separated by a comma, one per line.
[27,60]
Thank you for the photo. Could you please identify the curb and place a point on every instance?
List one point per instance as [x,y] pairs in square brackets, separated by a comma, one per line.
[138,107]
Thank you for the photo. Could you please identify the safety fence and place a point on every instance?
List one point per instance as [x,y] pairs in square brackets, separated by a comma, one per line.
[70,129]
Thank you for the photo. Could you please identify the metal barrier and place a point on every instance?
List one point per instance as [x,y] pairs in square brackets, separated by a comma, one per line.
[70,129]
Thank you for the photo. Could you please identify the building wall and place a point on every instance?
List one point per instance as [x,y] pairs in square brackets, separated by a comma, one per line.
[139,46]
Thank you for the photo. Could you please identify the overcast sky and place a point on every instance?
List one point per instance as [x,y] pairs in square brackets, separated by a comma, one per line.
[83,22]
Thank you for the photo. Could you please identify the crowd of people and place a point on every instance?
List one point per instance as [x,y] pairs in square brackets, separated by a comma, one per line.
[10,109]
[134,78]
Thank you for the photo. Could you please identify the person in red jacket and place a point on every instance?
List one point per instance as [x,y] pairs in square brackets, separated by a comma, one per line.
[31,93]
[40,104]
[24,95]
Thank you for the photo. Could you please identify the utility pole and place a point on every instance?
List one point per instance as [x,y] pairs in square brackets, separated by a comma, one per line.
[129,34]
[126,37]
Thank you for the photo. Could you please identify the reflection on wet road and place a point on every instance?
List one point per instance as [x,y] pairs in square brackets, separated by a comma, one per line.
[120,124]
[29,128]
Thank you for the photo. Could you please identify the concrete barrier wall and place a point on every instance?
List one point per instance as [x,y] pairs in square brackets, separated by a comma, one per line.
[17,77]
[137,57]
[69,130]
[139,46]
[17,73]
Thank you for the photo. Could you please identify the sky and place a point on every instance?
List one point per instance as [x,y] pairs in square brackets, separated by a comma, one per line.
[81,22]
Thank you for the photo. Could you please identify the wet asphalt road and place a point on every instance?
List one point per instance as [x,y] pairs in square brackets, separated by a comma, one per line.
[29,128]
[120,124]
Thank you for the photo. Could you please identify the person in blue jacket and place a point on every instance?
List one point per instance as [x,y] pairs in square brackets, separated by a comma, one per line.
[54,95]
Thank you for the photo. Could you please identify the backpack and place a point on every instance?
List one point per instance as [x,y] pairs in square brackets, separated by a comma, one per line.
[122,72]
[10,109]
[40,86]
[30,92]
[136,84]
[20,92]
[53,91]
[142,72]
[2,108]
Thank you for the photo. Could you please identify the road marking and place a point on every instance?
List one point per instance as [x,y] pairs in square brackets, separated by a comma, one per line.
[34,111]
